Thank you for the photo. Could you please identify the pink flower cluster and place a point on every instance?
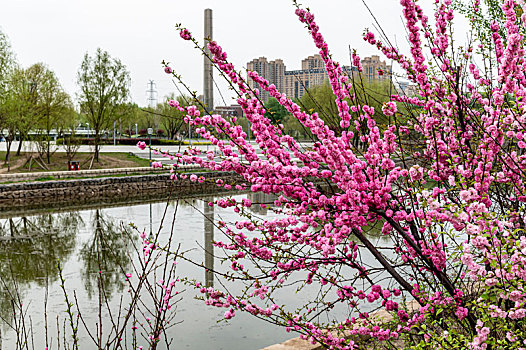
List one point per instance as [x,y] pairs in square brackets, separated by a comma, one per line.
[444,184]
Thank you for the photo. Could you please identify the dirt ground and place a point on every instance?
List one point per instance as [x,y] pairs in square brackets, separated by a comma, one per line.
[30,162]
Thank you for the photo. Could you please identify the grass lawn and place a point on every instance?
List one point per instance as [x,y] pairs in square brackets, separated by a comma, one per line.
[59,161]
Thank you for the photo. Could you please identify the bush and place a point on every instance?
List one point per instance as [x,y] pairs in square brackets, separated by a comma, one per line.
[125,141]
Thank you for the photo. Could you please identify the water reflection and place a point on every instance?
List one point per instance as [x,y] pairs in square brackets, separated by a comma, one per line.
[106,255]
[208,219]
[30,248]
[96,242]
[261,202]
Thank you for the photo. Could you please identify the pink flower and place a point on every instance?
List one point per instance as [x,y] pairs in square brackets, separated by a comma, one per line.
[465,195]
[168,70]
[193,178]
[141,145]
[185,34]
[461,312]
[157,165]
[416,173]
[229,314]
[389,108]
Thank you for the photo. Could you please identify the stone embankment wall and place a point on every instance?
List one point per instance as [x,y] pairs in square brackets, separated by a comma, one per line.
[30,194]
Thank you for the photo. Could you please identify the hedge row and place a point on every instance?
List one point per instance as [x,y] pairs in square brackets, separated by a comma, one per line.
[130,141]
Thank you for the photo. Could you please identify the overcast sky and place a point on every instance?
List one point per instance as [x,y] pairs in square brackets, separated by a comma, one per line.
[141,33]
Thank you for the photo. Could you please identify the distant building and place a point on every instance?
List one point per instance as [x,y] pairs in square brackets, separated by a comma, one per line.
[374,69]
[312,73]
[229,111]
[406,88]
[313,62]
[297,81]
[273,71]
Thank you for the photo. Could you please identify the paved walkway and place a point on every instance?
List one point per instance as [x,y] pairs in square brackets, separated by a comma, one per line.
[31,147]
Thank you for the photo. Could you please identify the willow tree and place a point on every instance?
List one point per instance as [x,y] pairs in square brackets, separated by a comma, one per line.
[104,85]
[172,119]
[50,105]
[7,63]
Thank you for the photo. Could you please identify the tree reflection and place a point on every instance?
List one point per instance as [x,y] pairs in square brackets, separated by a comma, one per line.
[30,248]
[106,256]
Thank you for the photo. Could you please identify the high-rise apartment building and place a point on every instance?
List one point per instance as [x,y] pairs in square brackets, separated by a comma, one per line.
[273,71]
[373,68]
[294,83]
[312,62]
[297,81]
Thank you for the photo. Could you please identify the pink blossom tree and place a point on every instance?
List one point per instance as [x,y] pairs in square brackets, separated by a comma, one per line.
[443,185]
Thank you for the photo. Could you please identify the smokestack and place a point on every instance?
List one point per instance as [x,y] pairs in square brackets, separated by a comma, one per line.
[208,89]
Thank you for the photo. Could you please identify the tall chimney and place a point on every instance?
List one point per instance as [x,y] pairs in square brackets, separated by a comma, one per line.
[208,89]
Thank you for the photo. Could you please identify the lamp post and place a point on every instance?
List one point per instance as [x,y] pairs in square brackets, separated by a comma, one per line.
[88,129]
[136,133]
[114,141]
[150,132]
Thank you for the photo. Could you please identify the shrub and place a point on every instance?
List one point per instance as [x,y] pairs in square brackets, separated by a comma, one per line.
[443,183]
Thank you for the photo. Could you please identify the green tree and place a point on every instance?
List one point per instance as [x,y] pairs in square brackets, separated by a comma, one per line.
[51,105]
[104,85]
[126,114]
[274,111]
[171,118]
[18,107]
[322,100]
[68,129]
[7,64]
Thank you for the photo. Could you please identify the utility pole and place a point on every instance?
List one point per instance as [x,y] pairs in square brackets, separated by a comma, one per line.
[152,94]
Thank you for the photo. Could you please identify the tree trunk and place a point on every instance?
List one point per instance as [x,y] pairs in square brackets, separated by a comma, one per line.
[19,145]
[9,141]
[48,148]
[96,143]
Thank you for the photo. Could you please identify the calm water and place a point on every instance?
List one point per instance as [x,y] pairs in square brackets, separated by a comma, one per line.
[83,240]
[31,245]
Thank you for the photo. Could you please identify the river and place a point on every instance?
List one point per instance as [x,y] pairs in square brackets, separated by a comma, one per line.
[89,241]
[79,239]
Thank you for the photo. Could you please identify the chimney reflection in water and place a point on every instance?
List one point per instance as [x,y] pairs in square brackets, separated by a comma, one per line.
[209,237]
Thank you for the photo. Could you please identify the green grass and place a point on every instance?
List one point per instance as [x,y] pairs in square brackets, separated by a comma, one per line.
[59,162]
[44,178]
[141,162]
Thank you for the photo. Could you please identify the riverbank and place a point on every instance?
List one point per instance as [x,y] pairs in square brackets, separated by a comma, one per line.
[33,162]
[59,175]
[34,194]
